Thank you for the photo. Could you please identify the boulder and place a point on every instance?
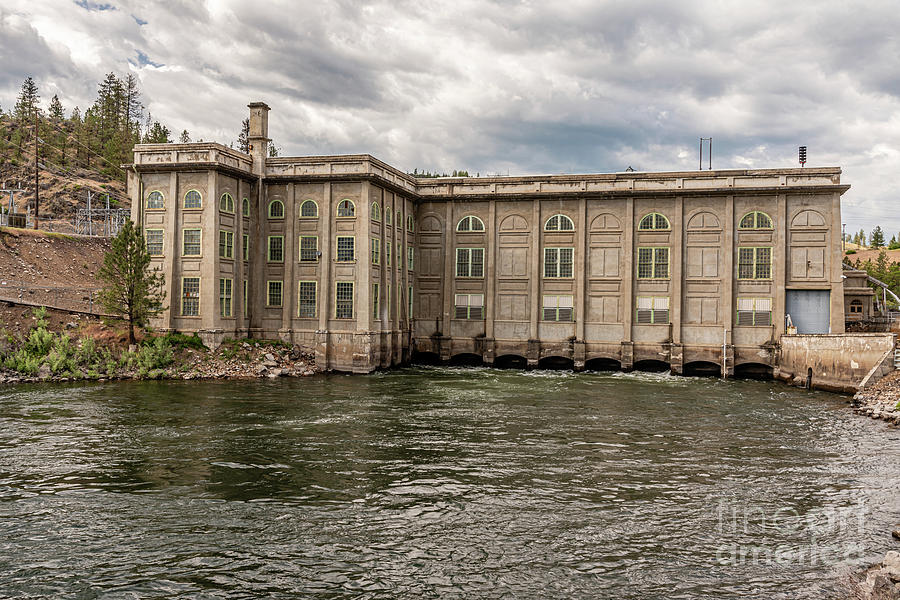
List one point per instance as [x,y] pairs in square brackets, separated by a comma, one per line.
[891,565]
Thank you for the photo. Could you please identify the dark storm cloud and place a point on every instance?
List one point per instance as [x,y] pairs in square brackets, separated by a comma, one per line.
[506,85]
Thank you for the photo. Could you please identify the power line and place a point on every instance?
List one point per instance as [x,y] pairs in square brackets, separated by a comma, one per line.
[61,173]
[74,139]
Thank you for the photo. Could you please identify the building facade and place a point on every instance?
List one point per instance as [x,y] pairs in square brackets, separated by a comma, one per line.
[368,265]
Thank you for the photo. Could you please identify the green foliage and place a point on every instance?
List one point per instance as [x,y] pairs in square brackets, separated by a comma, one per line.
[131,289]
[151,357]
[430,175]
[876,240]
[182,341]
[851,251]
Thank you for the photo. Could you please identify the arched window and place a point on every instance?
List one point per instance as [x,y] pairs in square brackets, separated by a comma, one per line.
[226,203]
[856,307]
[245,207]
[559,223]
[654,221]
[155,200]
[388,216]
[309,208]
[346,208]
[376,212]
[276,209]
[756,220]
[410,223]
[193,199]
[470,223]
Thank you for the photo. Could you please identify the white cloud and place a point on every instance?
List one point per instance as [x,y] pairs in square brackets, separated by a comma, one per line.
[496,86]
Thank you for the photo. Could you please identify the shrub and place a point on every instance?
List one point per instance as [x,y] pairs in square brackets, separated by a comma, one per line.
[182,340]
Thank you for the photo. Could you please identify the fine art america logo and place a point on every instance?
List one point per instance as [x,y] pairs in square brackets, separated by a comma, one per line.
[789,535]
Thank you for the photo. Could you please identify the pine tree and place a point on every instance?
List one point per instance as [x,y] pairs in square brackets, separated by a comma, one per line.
[877,238]
[244,137]
[131,289]
[27,103]
[56,113]
[185,137]
[157,134]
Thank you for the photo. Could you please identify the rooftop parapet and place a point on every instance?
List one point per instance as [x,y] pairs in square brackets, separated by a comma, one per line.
[625,182]
[202,154]
[347,164]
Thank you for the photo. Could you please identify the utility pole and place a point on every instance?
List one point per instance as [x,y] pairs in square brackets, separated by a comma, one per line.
[37,176]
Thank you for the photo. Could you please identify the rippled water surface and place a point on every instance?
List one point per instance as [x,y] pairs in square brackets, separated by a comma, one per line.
[438,482]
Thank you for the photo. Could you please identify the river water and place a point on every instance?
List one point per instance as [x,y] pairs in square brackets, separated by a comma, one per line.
[440,482]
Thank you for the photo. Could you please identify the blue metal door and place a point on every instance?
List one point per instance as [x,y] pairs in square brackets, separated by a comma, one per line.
[809,310]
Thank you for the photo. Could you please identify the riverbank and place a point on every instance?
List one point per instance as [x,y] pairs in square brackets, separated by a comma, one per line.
[95,351]
[881,400]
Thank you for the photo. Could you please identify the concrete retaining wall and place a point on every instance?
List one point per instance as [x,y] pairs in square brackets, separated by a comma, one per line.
[838,362]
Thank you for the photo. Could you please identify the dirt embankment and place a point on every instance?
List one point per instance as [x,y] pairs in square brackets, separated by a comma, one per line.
[51,269]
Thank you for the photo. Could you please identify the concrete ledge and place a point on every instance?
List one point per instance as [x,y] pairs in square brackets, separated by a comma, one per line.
[838,362]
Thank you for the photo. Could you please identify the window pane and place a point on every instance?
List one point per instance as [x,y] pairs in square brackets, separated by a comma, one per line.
[192,199]
[274,293]
[307,299]
[566,258]
[309,248]
[155,200]
[309,209]
[477,269]
[345,248]
[763,263]
[344,300]
[462,262]
[276,248]
[155,242]
[645,263]
[191,242]
[661,269]
[551,260]
[190,296]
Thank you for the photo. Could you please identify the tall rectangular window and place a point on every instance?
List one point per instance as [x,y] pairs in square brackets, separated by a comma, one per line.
[246,309]
[558,262]
[399,254]
[309,248]
[190,296]
[246,247]
[226,244]
[409,303]
[469,306]
[376,251]
[343,300]
[225,292]
[306,295]
[275,293]
[190,242]
[652,310]
[375,301]
[410,256]
[346,248]
[276,248]
[755,263]
[470,262]
[559,308]
[154,239]
[754,311]
[653,263]
[387,253]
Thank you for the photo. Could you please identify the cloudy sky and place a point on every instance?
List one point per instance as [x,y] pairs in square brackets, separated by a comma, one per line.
[497,87]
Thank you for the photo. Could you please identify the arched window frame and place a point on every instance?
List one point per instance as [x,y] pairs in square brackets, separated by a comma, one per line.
[304,211]
[226,203]
[272,206]
[410,223]
[193,194]
[151,200]
[653,222]
[342,209]
[376,212]
[760,219]
[245,207]
[470,223]
[388,216]
[555,223]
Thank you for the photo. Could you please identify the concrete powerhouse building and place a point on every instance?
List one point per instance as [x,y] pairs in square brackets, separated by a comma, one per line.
[366,264]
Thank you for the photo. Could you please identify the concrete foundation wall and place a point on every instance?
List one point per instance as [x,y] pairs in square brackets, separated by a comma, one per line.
[832,362]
